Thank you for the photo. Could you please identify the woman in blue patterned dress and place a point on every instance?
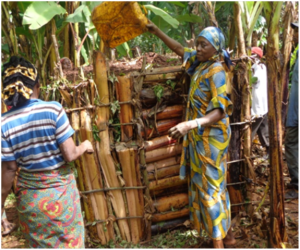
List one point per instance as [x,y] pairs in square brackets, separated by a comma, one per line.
[206,133]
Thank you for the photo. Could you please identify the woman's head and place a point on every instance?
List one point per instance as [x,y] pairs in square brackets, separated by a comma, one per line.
[213,41]
[18,78]
[204,48]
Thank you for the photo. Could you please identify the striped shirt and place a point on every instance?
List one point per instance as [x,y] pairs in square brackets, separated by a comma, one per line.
[31,135]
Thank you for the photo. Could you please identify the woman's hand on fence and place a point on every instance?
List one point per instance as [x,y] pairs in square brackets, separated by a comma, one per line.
[89,147]
[182,129]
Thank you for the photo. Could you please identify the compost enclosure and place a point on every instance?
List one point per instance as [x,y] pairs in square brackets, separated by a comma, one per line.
[125,95]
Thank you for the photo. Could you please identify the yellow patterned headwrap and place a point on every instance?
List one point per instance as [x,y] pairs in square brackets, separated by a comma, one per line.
[18,86]
[19,78]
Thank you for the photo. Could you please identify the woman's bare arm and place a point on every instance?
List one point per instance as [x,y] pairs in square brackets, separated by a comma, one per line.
[171,43]
[183,128]
[9,169]
[71,152]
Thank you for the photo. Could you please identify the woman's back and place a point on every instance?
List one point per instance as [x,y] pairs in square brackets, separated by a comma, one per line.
[31,135]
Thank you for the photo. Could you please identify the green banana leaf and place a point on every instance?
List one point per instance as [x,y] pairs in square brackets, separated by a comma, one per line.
[81,15]
[37,14]
[22,5]
[189,18]
[164,15]
[180,4]
[123,49]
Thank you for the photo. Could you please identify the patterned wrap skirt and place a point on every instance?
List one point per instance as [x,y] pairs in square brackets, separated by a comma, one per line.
[49,209]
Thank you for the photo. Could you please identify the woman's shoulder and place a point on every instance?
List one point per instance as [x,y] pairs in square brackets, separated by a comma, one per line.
[49,103]
[216,68]
[216,64]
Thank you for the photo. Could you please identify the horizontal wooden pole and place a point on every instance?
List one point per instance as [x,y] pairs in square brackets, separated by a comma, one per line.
[175,201]
[170,215]
[162,153]
[158,142]
[163,163]
[166,183]
[164,172]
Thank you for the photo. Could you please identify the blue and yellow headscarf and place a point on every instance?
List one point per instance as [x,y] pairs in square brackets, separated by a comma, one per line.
[215,36]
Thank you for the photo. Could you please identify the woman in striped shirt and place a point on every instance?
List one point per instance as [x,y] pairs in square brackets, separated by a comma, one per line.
[36,137]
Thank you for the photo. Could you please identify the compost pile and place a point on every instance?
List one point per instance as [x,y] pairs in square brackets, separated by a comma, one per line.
[130,185]
[127,65]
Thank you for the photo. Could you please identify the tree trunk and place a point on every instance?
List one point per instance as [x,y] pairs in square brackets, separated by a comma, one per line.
[277,217]
[243,79]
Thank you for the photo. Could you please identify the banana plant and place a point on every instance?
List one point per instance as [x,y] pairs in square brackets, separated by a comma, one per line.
[277,235]
[36,16]
[8,29]
[250,12]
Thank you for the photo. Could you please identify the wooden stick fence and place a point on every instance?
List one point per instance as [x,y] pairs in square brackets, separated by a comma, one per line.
[147,161]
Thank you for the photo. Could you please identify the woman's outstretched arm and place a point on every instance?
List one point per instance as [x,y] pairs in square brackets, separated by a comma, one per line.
[171,43]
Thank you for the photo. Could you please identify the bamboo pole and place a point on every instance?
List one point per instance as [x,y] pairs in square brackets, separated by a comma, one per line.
[163,153]
[166,183]
[164,172]
[163,163]
[158,142]
[103,147]
[124,94]
[176,201]
[170,215]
